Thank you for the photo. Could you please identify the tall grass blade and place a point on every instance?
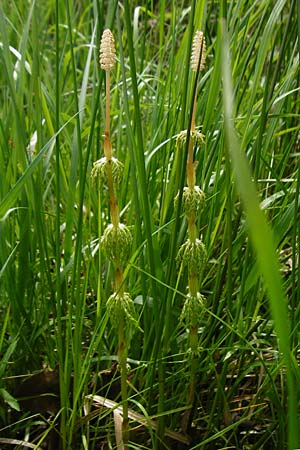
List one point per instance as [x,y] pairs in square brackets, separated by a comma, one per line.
[263,242]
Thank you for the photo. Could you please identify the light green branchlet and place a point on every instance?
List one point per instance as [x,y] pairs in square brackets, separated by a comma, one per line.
[116,242]
[120,308]
[192,310]
[192,253]
[101,170]
[192,200]
[196,136]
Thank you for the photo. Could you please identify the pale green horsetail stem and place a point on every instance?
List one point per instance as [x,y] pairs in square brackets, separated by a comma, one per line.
[117,239]
[192,253]
[107,63]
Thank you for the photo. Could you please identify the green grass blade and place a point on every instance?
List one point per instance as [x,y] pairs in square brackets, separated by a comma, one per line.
[10,198]
[263,243]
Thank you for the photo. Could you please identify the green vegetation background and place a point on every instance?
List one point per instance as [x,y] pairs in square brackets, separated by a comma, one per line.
[54,283]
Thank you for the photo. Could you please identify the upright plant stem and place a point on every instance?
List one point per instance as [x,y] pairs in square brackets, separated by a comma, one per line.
[122,356]
[193,249]
[99,250]
[107,144]
[116,239]
[59,303]
[114,210]
[191,175]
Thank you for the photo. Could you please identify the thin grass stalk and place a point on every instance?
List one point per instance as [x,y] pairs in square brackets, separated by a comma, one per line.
[139,157]
[76,154]
[153,251]
[296,235]
[60,337]
[229,209]
[133,175]
[74,337]
[39,212]
[229,282]
[80,302]
[269,31]
[97,334]
[122,356]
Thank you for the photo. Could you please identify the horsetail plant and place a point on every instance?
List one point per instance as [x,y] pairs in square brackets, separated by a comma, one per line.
[116,239]
[192,253]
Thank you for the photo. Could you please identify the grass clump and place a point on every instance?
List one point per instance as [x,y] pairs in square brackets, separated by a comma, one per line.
[84,260]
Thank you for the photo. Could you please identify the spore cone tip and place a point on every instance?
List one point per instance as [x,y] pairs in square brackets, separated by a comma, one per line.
[107,51]
[198,51]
